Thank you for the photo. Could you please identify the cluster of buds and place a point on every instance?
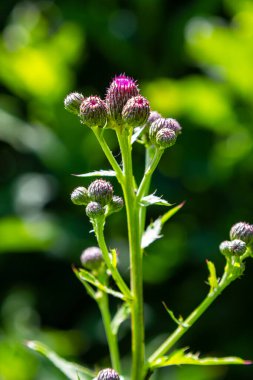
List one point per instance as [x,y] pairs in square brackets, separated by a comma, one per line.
[163,132]
[108,374]
[241,235]
[123,104]
[98,199]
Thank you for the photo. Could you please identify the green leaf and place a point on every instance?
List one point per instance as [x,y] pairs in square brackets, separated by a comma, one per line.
[98,173]
[121,315]
[212,279]
[153,231]
[85,276]
[179,321]
[153,199]
[71,370]
[180,356]
[137,133]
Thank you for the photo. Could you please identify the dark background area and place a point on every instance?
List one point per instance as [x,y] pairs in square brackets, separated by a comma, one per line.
[193,61]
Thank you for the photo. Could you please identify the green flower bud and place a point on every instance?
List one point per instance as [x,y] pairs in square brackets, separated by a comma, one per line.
[93,112]
[100,191]
[136,111]
[225,248]
[165,138]
[92,258]
[242,231]
[238,247]
[116,204]
[73,101]
[108,374]
[94,210]
[80,196]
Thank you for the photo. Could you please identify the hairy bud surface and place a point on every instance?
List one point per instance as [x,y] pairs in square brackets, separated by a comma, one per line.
[73,102]
[121,89]
[136,111]
[93,112]
[94,210]
[80,196]
[100,191]
[92,258]
[242,231]
[108,374]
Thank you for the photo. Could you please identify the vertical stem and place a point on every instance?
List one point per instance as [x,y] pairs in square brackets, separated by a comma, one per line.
[103,304]
[132,210]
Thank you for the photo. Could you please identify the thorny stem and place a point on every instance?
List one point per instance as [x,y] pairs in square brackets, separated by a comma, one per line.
[103,304]
[132,210]
[226,279]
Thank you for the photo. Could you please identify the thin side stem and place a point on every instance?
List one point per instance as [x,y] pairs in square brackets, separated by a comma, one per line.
[108,153]
[148,173]
[103,304]
[132,210]
[99,231]
[192,318]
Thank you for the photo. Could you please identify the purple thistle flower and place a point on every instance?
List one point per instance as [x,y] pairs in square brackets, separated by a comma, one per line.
[93,112]
[121,89]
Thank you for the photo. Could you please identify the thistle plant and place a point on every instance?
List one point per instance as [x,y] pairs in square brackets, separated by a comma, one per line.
[128,114]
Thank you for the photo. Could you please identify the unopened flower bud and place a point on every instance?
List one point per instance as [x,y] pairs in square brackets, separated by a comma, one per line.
[108,374]
[92,258]
[121,89]
[136,111]
[165,138]
[242,231]
[158,124]
[116,204]
[80,196]
[73,101]
[225,248]
[94,210]
[100,191]
[93,112]
[174,125]
[153,116]
[238,247]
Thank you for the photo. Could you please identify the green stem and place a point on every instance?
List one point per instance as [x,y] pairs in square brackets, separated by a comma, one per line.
[99,231]
[108,153]
[148,173]
[132,210]
[103,304]
[192,318]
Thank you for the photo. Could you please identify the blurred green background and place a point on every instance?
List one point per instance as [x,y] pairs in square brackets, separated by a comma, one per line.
[193,60]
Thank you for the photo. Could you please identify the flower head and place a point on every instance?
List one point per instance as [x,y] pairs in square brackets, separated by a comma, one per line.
[165,138]
[100,191]
[94,210]
[242,231]
[108,374]
[80,196]
[73,101]
[136,111]
[121,89]
[93,112]
[92,258]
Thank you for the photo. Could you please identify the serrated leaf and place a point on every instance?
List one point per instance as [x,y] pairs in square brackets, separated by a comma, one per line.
[180,357]
[153,231]
[212,279]
[137,133]
[121,315]
[98,173]
[179,321]
[153,199]
[83,275]
[71,370]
